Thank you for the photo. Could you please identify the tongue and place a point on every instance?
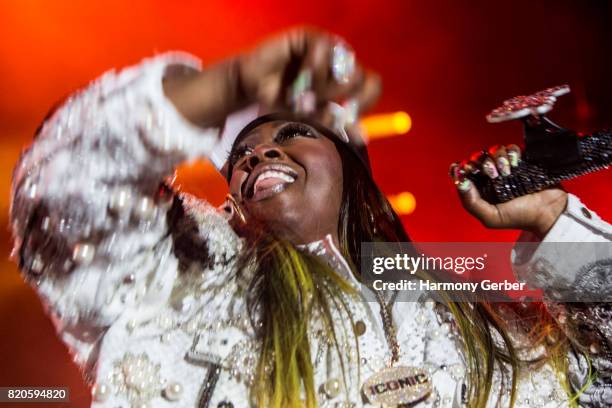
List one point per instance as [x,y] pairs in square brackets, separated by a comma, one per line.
[269,182]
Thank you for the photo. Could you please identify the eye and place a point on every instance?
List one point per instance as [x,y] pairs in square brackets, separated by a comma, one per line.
[293,130]
[239,153]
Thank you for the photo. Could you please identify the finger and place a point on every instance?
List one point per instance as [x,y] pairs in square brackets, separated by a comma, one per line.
[316,60]
[469,167]
[335,91]
[458,175]
[367,94]
[471,200]
[502,162]
[514,154]
[485,164]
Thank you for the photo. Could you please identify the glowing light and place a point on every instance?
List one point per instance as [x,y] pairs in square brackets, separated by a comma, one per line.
[386,124]
[403,203]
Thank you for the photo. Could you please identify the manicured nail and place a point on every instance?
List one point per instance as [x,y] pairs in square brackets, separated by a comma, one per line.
[489,168]
[514,158]
[463,185]
[303,82]
[504,166]
[451,170]
[351,108]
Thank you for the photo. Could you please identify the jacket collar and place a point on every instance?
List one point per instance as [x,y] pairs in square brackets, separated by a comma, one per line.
[327,250]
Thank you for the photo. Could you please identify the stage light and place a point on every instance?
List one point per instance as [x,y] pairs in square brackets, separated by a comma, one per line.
[386,125]
[403,203]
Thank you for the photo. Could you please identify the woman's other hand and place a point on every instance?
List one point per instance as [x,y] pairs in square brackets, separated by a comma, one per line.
[535,212]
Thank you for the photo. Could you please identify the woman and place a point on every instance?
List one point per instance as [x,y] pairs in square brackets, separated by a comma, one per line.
[165,301]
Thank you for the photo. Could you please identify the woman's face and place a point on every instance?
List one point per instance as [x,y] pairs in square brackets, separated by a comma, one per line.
[288,176]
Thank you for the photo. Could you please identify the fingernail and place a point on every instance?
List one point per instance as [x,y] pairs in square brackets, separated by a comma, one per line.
[303,82]
[305,103]
[342,63]
[451,169]
[489,168]
[504,166]
[351,108]
[514,158]
[463,185]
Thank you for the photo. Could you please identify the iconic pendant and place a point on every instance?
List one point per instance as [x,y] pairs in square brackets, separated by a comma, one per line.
[397,385]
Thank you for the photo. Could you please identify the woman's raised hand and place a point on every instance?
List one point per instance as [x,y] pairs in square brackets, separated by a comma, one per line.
[535,212]
[267,74]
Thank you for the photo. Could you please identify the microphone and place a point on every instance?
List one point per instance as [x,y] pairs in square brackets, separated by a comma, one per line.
[552,154]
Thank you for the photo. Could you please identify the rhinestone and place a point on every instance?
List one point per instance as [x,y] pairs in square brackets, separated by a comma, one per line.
[131,325]
[37,265]
[44,225]
[129,278]
[100,392]
[173,391]
[31,189]
[83,253]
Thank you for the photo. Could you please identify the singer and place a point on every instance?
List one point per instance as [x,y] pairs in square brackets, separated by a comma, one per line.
[166,301]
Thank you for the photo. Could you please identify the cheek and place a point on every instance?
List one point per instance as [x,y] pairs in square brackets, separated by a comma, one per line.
[324,176]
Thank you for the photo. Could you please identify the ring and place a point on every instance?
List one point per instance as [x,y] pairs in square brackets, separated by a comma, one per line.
[343,63]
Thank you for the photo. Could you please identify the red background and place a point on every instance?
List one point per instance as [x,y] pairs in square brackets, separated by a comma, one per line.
[445,63]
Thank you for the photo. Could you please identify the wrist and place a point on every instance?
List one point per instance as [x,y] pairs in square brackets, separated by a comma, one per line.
[548,216]
[205,98]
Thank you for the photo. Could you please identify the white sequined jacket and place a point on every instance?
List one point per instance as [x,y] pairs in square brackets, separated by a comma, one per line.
[137,282]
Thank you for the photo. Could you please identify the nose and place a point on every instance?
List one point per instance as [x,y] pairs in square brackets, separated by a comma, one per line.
[263,153]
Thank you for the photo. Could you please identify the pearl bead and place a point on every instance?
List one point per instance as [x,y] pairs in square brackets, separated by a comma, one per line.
[83,253]
[360,328]
[594,348]
[145,209]
[173,391]
[120,200]
[100,392]
[331,388]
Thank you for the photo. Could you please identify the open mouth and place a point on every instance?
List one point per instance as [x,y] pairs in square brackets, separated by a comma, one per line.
[269,180]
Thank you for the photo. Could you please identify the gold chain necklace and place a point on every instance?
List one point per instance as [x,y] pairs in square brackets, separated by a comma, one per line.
[386,313]
[395,385]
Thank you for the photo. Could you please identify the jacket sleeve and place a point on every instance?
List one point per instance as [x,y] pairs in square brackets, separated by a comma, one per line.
[88,217]
[573,265]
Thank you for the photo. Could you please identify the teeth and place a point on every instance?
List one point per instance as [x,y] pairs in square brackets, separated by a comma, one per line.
[273,174]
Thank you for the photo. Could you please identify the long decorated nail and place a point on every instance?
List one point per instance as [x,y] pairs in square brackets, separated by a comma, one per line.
[514,157]
[342,62]
[458,176]
[463,185]
[303,98]
[489,169]
[503,165]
